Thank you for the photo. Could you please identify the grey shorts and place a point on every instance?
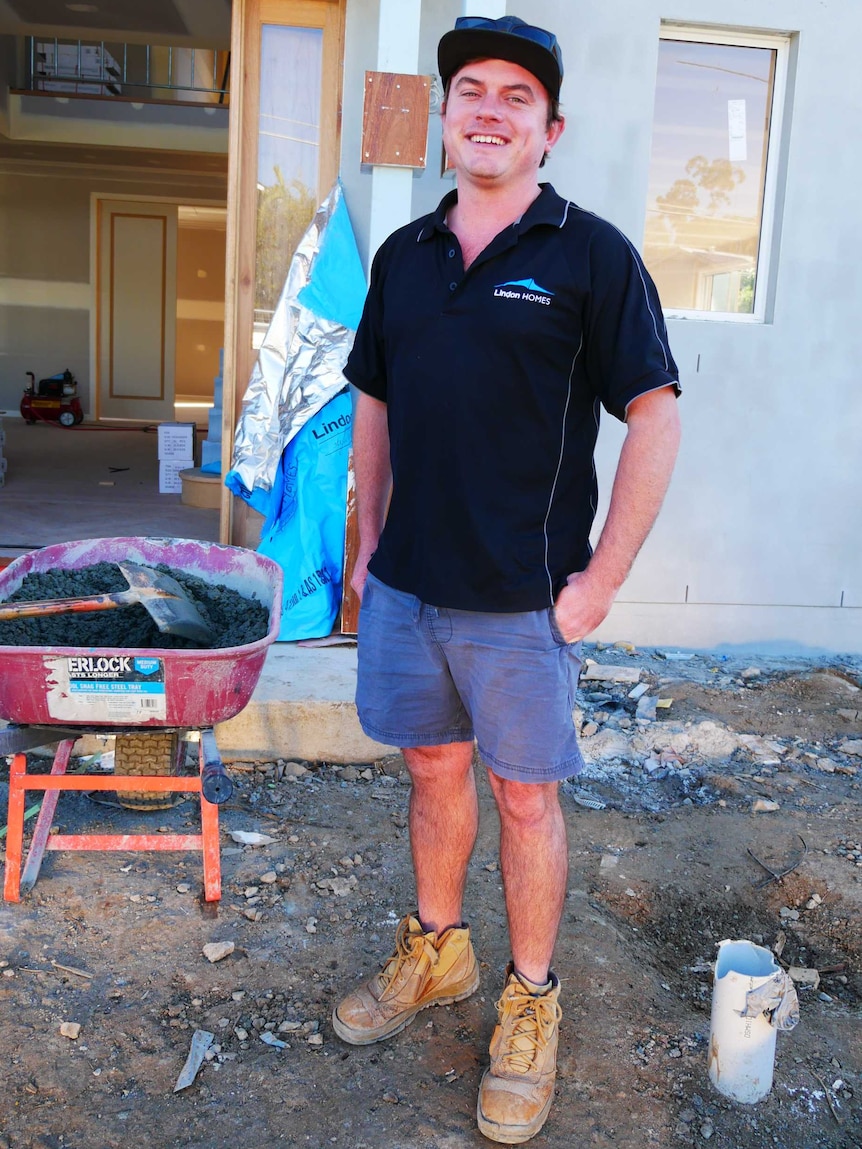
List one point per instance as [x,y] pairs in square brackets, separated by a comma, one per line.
[430,675]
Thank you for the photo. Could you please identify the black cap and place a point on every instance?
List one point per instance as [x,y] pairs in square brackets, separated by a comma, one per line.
[478,38]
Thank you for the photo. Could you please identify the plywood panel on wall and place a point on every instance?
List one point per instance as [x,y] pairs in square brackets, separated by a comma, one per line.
[395,119]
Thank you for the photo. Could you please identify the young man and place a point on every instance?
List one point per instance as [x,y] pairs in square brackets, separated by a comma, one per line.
[493,331]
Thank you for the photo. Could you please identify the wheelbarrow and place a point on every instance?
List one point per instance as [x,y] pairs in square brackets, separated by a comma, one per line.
[148,699]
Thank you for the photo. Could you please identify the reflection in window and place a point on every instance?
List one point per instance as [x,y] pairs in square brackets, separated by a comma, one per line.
[707,178]
[288,156]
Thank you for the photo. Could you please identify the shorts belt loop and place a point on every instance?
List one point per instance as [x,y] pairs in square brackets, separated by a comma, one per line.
[416,607]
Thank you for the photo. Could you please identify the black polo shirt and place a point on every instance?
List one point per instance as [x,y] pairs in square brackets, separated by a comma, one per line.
[494,379]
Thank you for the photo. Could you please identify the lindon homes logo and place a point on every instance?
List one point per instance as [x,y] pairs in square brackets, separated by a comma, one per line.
[527,290]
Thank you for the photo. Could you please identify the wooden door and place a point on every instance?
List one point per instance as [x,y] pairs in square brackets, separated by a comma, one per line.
[137,306]
[283,160]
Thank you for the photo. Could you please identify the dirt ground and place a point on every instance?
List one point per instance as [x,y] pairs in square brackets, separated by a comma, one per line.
[659,874]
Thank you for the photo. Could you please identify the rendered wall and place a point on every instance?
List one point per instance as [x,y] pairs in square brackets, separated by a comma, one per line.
[758,543]
[44,282]
[47,297]
[200,310]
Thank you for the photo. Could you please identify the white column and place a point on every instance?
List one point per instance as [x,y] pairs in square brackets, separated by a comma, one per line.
[492,9]
[397,51]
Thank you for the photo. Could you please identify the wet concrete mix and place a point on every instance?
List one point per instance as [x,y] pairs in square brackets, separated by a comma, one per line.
[235,619]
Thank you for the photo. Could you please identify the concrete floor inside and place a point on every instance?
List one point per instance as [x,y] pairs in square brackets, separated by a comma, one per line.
[90,481]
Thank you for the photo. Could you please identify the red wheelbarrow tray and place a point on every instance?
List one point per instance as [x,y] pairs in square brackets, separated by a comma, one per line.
[202,687]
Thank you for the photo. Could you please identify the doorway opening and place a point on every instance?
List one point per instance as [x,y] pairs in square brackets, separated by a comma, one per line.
[200,311]
[160,309]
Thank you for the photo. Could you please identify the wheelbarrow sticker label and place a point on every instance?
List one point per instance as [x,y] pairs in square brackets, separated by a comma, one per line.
[107,688]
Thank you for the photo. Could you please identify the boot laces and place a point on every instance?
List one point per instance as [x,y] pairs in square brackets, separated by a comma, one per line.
[528,1023]
[409,948]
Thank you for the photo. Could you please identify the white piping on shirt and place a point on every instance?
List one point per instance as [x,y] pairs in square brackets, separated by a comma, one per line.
[559,468]
[596,409]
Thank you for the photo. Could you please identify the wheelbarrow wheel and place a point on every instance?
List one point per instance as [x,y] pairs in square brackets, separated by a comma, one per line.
[147,754]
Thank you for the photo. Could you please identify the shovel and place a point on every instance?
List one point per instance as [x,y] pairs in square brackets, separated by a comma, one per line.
[160,595]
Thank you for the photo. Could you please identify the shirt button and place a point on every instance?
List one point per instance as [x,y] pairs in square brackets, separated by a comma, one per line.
[452,286]
[452,253]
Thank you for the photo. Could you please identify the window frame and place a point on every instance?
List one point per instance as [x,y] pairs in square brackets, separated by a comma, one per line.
[780,43]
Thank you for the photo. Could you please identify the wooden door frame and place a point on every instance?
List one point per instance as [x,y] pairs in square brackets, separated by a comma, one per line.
[248,16]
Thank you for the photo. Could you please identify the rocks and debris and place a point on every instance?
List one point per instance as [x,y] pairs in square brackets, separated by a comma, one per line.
[805,978]
[201,1042]
[70,969]
[589,802]
[646,708]
[217,951]
[850,849]
[269,1038]
[777,875]
[339,886]
[70,1029]
[599,672]
[764,806]
[251,838]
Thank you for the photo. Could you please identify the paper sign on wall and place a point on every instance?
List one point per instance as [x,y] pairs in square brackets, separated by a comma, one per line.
[736,138]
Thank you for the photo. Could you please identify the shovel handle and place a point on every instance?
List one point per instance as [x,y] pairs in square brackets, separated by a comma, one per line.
[10,610]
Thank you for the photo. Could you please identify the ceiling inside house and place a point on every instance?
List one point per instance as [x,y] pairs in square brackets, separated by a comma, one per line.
[192,23]
[113,158]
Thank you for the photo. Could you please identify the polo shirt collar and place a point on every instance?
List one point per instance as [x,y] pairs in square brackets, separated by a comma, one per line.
[547,208]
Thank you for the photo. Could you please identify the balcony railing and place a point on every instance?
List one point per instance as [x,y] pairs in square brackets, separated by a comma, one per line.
[135,71]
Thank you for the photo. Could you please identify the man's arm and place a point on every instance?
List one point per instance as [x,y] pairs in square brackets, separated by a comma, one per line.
[373,475]
[643,475]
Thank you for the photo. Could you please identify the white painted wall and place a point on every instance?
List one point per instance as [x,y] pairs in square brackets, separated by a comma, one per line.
[759,542]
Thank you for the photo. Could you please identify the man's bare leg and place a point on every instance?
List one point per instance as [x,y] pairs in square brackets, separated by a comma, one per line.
[426,970]
[534,862]
[444,820]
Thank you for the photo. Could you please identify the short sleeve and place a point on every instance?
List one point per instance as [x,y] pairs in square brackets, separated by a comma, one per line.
[626,345]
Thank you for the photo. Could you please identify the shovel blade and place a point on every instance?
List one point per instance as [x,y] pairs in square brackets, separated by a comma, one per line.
[166,602]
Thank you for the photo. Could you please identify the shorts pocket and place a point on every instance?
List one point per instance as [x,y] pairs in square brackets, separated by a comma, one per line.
[554,627]
[367,591]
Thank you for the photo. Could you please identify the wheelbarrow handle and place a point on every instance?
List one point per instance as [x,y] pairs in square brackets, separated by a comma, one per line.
[216,784]
[39,609]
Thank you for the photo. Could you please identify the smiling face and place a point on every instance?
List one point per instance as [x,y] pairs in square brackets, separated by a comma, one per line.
[495,124]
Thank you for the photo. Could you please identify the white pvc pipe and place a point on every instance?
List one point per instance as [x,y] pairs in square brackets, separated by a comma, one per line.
[741,1049]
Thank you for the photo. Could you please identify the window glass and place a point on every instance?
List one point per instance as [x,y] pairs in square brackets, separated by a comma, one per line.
[707,181]
[291,69]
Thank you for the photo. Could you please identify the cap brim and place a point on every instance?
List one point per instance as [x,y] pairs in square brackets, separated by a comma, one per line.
[463,44]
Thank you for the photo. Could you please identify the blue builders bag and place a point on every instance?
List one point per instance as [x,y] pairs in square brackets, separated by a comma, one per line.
[304,531]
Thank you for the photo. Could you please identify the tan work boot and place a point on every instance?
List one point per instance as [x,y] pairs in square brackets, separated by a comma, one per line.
[424,970]
[516,1092]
